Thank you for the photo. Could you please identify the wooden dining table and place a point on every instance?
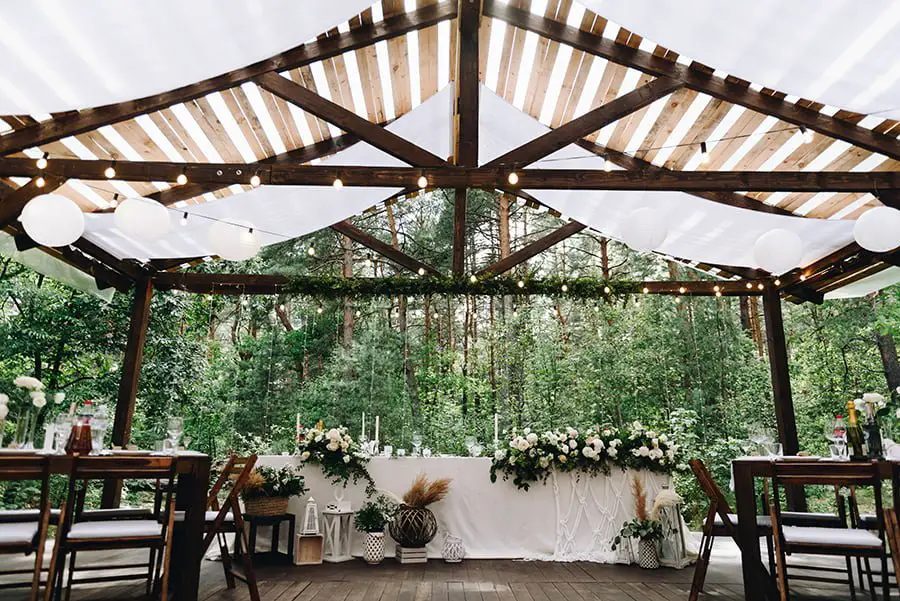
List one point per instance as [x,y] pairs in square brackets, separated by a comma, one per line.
[191,492]
[758,585]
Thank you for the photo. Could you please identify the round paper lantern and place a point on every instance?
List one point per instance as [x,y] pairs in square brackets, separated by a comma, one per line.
[233,240]
[143,219]
[52,220]
[644,229]
[878,229]
[778,251]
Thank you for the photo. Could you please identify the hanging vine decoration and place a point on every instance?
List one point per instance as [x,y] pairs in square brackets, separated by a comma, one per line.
[338,287]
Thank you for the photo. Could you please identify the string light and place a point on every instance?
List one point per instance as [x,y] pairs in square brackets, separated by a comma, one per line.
[677,299]
[520,284]
[110,172]
[473,279]
[281,307]
[806,134]
[358,312]
[42,162]
[778,282]
[513,178]
[421,271]
[319,309]
[704,153]
[802,277]
[606,290]
[716,288]
[749,285]
[181,179]
[184,218]
[311,251]
[607,165]
[718,293]
[40,182]
[254,181]
[646,290]
[564,288]
[682,290]
[422,181]
[338,184]
[115,201]
[760,286]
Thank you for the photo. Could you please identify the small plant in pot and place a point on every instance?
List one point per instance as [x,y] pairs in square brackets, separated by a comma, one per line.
[268,490]
[647,531]
[414,526]
[372,518]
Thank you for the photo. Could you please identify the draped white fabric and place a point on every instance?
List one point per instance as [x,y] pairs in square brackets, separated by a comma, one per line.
[840,52]
[867,285]
[283,212]
[571,518]
[57,55]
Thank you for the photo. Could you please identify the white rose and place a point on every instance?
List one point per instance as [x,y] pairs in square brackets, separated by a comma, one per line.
[670,454]
[644,452]
[598,443]
[562,458]
[4,411]
[319,437]
[612,452]
[637,426]
[59,397]
[872,397]
[606,433]
[346,458]
[522,444]
[304,456]
[334,434]
[3,399]
[345,445]
[531,438]
[614,443]
[651,433]
[332,446]
[544,462]
[573,444]
[28,382]
[526,431]
[663,438]
[38,399]
[588,452]
[499,454]
[655,442]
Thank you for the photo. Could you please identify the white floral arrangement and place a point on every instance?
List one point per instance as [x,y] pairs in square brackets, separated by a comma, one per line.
[529,457]
[335,451]
[28,400]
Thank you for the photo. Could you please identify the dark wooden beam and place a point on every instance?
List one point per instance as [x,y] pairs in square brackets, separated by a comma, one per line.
[466,110]
[290,174]
[320,49]
[732,199]
[12,204]
[128,384]
[127,267]
[781,386]
[695,79]
[587,124]
[530,250]
[397,256]
[374,134]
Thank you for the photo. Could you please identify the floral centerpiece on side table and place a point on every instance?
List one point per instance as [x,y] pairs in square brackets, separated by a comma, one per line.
[646,530]
[335,451]
[28,399]
[268,490]
[530,457]
[372,518]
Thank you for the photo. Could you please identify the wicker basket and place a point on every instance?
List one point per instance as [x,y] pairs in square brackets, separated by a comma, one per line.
[266,506]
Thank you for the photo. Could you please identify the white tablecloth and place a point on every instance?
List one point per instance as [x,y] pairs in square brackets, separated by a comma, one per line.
[573,517]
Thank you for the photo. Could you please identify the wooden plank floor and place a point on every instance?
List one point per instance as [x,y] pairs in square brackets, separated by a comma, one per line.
[471,580]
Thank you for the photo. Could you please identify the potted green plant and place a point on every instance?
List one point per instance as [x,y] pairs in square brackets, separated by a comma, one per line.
[268,490]
[371,519]
[647,531]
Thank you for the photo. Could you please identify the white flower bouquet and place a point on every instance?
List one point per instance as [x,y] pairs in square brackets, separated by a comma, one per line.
[27,401]
[335,451]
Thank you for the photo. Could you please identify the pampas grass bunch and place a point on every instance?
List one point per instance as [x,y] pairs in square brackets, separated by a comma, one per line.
[423,492]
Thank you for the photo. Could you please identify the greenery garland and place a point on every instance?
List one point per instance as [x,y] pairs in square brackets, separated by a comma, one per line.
[530,457]
[335,451]
[339,287]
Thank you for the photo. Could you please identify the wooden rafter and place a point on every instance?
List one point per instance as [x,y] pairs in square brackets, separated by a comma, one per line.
[397,256]
[82,121]
[457,177]
[694,79]
[465,120]
[374,134]
[588,123]
[532,249]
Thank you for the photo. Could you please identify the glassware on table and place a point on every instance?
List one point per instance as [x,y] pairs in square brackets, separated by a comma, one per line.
[62,427]
[470,442]
[174,430]
[401,452]
[388,450]
[759,435]
[476,449]
[426,452]
[838,452]
[417,443]
[836,432]
[773,449]
[99,425]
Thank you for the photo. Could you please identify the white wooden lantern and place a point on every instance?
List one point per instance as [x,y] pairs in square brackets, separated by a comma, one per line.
[337,535]
[311,518]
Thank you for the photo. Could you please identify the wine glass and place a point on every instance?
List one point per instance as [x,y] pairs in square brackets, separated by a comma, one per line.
[470,442]
[758,435]
[477,449]
[416,442]
[836,432]
[174,429]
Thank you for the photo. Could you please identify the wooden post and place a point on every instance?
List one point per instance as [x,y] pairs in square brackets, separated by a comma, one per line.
[131,372]
[781,387]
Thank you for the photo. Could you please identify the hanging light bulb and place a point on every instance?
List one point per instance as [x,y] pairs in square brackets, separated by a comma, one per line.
[181,179]
[110,172]
[606,290]
[422,181]
[311,251]
[513,178]
[565,288]
[749,285]
[114,202]
[807,135]
[319,310]
[254,181]
[777,282]
[521,284]
[760,286]
[338,184]
[802,277]
[681,290]
[421,271]
[607,165]
[704,153]
[40,182]
[473,278]
[718,293]
[646,290]
[42,162]
[184,218]
[715,288]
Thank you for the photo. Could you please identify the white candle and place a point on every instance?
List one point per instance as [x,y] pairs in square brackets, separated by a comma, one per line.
[362,433]
[377,424]
[496,428]
[297,430]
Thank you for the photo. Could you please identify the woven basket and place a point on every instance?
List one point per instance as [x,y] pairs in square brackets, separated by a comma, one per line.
[266,506]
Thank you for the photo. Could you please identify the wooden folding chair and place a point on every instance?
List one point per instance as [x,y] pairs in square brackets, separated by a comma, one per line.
[27,536]
[154,534]
[226,517]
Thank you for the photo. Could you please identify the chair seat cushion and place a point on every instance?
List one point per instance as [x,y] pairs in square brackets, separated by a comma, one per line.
[811,518]
[851,537]
[20,533]
[119,513]
[115,529]
[210,516]
[762,521]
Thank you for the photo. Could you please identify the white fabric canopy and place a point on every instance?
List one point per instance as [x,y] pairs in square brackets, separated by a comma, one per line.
[57,55]
[699,230]
[868,285]
[839,52]
[283,212]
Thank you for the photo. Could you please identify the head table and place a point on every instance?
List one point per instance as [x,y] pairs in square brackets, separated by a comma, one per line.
[573,517]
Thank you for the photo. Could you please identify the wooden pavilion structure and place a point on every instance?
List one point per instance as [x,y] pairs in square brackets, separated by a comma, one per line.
[596,85]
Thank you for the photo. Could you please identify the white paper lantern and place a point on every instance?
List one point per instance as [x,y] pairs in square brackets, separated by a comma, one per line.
[878,229]
[143,219]
[778,251]
[233,240]
[52,220]
[644,229]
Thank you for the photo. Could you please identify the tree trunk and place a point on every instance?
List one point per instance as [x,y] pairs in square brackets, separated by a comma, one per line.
[409,370]
[347,338]
[604,257]
[507,307]
[888,350]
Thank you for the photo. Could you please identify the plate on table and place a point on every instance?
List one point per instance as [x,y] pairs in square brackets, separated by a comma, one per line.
[800,458]
[130,452]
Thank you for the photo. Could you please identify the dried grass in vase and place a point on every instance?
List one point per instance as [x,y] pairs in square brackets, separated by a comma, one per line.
[423,493]
[640,498]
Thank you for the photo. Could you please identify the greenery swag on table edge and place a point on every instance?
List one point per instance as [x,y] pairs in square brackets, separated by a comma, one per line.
[530,457]
[335,451]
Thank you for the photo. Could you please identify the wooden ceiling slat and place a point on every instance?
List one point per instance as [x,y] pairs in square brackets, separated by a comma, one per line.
[370,77]
[745,125]
[576,74]
[206,118]
[766,146]
[318,127]
[284,123]
[138,139]
[709,119]
[506,58]
[844,162]
[626,126]
[428,51]
[234,107]
[677,105]
[170,125]
[398,53]
[545,55]
[253,121]
[102,148]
